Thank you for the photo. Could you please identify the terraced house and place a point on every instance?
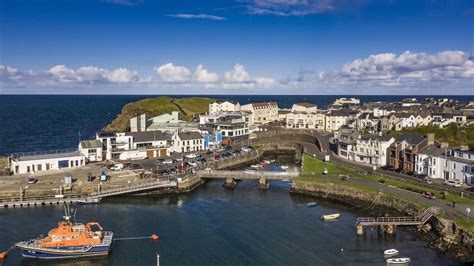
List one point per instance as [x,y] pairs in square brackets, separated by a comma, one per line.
[403,151]
[261,113]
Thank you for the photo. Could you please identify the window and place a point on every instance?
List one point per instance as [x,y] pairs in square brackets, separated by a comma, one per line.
[434,161]
[47,166]
[454,165]
[39,167]
[27,169]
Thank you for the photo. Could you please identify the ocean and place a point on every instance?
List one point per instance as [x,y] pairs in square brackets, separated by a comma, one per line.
[45,122]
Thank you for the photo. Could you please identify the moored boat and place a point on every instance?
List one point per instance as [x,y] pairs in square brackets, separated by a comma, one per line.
[284,167]
[311,204]
[390,252]
[69,240]
[329,217]
[398,261]
[89,201]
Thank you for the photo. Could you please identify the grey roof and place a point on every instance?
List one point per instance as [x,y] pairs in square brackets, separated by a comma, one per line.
[375,137]
[413,139]
[433,150]
[106,134]
[147,136]
[91,144]
[341,112]
[189,135]
[50,156]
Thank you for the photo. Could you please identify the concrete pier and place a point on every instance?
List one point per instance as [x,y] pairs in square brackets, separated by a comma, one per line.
[35,203]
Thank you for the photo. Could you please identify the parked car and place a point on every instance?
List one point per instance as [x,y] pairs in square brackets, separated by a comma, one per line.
[168,161]
[32,180]
[426,180]
[209,153]
[217,157]
[134,166]
[193,163]
[117,167]
[191,155]
[453,183]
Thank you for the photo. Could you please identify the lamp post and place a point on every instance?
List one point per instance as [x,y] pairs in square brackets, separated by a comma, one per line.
[468,210]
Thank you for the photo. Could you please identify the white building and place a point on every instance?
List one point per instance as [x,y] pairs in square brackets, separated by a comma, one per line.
[444,119]
[304,108]
[346,102]
[187,142]
[234,126]
[29,163]
[440,162]
[223,106]
[310,120]
[91,149]
[368,149]
[261,113]
[335,119]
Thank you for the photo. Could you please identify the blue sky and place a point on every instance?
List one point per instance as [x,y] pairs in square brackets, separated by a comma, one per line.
[243,46]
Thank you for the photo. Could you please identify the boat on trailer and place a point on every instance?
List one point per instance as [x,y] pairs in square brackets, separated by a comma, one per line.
[69,240]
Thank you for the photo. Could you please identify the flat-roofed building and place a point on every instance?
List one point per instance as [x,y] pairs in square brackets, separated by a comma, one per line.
[261,113]
[32,162]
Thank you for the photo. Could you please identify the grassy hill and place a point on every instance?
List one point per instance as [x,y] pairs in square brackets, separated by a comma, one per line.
[188,107]
[453,134]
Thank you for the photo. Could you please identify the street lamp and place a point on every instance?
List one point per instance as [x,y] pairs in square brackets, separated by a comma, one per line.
[468,210]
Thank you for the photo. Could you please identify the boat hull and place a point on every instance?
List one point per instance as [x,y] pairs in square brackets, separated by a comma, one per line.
[64,253]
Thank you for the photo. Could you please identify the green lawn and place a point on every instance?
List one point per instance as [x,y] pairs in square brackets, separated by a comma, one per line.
[314,166]
[464,223]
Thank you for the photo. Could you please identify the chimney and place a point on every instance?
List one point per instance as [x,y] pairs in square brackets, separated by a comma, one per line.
[464,148]
[444,145]
[430,137]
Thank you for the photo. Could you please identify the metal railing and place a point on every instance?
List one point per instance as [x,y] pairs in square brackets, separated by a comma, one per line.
[248,174]
[407,220]
[38,153]
[125,190]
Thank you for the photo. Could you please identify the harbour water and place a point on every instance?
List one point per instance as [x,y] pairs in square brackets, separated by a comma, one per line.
[45,122]
[214,226]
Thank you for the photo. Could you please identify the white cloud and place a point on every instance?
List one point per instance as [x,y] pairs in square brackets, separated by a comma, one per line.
[9,73]
[171,73]
[238,75]
[202,75]
[408,69]
[197,16]
[289,7]
[92,75]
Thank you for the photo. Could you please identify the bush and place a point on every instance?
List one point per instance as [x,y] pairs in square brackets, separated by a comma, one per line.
[382,181]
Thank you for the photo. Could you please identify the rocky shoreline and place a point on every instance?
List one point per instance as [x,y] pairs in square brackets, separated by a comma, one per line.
[438,232]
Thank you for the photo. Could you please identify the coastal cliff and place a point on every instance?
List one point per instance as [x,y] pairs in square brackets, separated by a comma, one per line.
[188,108]
[438,232]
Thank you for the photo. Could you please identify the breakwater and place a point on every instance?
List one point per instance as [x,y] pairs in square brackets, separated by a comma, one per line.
[438,232]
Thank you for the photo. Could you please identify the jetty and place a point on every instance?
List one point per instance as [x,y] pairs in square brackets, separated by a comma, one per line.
[389,224]
[231,176]
[44,201]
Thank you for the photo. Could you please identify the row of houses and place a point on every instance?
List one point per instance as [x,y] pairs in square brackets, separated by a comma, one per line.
[412,154]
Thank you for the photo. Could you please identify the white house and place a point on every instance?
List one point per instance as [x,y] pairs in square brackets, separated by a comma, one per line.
[28,163]
[438,161]
[91,149]
[444,119]
[310,120]
[372,149]
[223,106]
[187,142]
[261,113]
[234,127]
[335,119]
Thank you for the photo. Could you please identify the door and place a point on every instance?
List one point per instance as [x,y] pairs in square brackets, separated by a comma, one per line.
[149,154]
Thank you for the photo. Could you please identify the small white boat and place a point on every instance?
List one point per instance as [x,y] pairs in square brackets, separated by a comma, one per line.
[329,217]
[267,161]
[284,167]
[390,252]
[89,201]
[255,166]
[398,261]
